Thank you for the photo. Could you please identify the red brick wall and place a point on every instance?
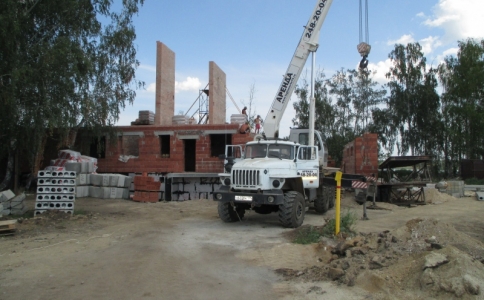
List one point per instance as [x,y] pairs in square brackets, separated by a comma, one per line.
[150,160]
[361,155]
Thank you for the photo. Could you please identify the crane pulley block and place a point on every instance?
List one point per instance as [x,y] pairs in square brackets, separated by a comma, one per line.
[363,48]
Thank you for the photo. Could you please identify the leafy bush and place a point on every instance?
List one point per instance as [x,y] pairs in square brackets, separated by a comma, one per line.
[347,221]
[308,235]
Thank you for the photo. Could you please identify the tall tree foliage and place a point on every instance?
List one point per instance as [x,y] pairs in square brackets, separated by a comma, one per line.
[462,78]
[61,68]
[343,107]
[411,93]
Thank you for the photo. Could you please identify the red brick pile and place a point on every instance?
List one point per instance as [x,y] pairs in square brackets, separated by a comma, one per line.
[146,189]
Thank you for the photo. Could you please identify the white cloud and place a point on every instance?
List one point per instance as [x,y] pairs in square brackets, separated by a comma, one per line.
[451,51]
[190,84]
[461,19]
[380,69]
[404,39]
[429,44]
[151,87]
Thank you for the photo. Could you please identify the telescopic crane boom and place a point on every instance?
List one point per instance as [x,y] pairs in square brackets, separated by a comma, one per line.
[308,43]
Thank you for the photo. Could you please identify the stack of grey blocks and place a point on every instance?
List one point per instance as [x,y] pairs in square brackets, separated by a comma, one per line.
[109,186]
[11,204]
[83,170]
[56,190]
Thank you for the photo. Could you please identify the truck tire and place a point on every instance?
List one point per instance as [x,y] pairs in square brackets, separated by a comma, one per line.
[331,195]
[227,213]
[321,204]
[293,210]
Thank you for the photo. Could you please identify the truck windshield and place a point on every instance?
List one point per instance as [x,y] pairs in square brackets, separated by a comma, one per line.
[281,151]
[256,151]
[275,151]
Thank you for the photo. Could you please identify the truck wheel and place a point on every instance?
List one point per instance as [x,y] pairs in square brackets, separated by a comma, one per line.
[227,213]
[330,192]
[293,210]
[321,204]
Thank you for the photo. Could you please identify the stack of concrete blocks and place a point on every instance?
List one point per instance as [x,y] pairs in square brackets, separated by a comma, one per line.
[180,120]
[56,190]
[83,169]
[109,186]
[11,204]
[69,157]
[146,189]
[455,188]
[190,188]
[238,119]
[146,117]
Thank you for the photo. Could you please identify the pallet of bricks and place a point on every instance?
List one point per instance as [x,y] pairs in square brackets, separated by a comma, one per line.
[146,189]
[56,190]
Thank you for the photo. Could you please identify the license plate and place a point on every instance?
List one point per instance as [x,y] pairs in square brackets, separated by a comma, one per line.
[243,198]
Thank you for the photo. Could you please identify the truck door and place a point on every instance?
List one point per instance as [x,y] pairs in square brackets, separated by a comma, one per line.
[307,163]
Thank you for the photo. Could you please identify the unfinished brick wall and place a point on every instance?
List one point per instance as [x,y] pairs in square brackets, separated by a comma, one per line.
[165,85]
[149,146]
[217,94]
[361,155]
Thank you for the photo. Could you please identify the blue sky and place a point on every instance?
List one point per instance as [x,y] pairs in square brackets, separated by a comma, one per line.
[253,41]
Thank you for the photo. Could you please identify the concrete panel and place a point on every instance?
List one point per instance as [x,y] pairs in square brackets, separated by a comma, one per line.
[217,95]
[165,84]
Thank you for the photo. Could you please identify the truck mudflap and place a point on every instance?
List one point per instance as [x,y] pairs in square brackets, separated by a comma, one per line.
[269,197]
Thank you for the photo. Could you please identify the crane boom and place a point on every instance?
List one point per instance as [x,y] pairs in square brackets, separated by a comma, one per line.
[308,43]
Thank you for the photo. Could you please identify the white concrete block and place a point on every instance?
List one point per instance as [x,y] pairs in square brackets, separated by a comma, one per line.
[6,195]
[113,180]
[95,191]
[73,166]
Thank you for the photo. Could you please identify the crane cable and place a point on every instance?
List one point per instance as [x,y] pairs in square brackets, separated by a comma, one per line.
[364,46]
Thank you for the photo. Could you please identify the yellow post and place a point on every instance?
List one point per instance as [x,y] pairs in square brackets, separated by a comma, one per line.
[338,201]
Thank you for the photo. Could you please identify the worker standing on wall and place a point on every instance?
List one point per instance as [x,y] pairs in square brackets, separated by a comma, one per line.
[258,122]
[244,112]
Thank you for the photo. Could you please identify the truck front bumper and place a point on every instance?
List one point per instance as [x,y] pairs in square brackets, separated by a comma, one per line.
[269,197]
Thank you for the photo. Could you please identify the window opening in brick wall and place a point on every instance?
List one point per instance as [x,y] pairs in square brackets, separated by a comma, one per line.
[131,145]
[218,143]
[165,145]
[97,148]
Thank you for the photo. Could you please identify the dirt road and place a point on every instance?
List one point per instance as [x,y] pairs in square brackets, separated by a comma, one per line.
[118,249]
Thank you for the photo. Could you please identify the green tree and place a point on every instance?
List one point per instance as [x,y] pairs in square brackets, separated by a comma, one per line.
[462,78]
[367,97]
[405,77]
[61,68]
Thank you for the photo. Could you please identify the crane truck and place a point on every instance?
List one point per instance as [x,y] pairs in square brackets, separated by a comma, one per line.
[284,176]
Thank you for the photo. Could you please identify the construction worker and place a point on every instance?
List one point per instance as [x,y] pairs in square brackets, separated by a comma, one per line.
[244,112]
[258,122]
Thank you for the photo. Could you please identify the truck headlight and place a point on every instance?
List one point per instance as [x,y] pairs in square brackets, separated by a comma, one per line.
[276,183]
[227,181]
[218,196]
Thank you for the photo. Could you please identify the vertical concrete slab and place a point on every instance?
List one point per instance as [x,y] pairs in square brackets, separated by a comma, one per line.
[165,84]
[217,94]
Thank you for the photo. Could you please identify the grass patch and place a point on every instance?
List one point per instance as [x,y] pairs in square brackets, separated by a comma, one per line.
[80,212]
[347,221]
[308,235]
[474,181]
